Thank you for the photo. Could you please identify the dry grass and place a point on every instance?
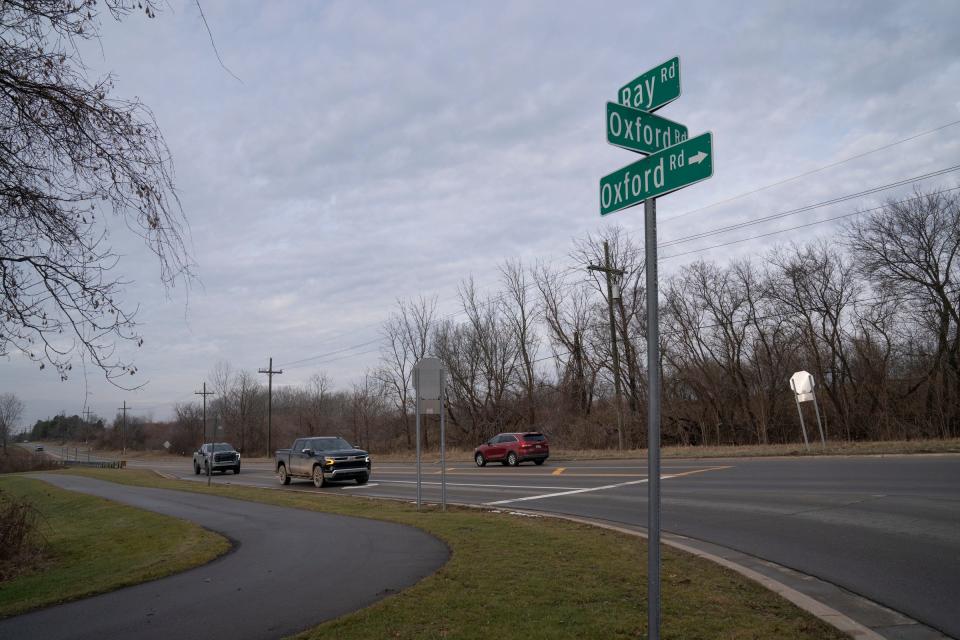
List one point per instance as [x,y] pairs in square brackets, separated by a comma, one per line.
[20,538]
[17,459]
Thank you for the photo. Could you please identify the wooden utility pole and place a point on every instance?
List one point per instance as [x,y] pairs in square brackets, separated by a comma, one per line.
[123,429]
[206,393]
[610,272]
[270,373]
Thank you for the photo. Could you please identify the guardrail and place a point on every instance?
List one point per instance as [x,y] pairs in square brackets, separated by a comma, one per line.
[96,464]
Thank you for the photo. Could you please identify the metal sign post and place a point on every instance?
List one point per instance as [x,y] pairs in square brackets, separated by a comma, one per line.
[428,383]
[653,420]
[677,161]
[443,444]
[418,445]
[803,428]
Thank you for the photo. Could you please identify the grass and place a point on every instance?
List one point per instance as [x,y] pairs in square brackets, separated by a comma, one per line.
[90,545]
[517,576]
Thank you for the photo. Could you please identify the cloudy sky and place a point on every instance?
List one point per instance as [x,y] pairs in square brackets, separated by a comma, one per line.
[376,151]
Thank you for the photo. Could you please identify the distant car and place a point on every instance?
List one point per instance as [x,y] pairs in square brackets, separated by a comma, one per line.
[39,447]
[225,458]
[513,448]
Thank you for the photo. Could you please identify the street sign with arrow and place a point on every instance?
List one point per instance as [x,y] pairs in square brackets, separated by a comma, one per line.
[668,170]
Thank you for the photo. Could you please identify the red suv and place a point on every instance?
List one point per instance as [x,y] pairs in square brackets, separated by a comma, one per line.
[513,448]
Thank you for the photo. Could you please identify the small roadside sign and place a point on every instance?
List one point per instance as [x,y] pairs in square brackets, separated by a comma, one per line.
[802,384]
[654,88]
[637,130]
[673,168]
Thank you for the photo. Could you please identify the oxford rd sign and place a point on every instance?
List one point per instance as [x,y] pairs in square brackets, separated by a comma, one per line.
[668,170]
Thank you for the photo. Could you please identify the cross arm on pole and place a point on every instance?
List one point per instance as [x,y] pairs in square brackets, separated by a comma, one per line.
[610,270]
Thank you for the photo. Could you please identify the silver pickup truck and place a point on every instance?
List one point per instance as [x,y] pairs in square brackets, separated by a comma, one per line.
[322,459]
[225,457]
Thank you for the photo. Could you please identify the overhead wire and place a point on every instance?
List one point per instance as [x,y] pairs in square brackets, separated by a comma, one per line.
[812,171]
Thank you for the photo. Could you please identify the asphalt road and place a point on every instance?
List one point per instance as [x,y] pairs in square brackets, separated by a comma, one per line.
[887,528]
[290,570]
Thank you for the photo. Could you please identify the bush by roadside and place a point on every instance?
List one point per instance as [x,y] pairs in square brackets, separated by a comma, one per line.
[18,460]
[20,538]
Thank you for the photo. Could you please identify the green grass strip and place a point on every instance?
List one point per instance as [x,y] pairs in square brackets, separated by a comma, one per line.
[92,545]
[523,577]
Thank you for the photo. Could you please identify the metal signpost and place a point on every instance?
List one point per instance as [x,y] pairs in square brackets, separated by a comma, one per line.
[803,386]
[428,383]
[677,161]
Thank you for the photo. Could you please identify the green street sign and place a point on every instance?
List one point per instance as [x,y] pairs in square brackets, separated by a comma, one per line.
[651,90]
[637,130]
[673,168]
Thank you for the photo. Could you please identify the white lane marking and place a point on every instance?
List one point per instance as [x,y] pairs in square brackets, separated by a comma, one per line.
[608,486]
[470,484]
[362,486]
[568,493]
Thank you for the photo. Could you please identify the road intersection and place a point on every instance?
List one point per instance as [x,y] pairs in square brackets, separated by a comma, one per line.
[884,528]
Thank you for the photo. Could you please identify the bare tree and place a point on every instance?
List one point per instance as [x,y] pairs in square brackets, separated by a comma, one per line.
[911,248]
[407,334]
[72,156]
[11,409]
[522,314]
[819,287]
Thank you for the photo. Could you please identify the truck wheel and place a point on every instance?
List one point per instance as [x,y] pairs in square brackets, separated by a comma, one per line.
[284,478]
[363,479]
[236,470]
[318,480]
[196,469]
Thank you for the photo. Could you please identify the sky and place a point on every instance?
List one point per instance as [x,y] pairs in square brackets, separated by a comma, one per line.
[370,152]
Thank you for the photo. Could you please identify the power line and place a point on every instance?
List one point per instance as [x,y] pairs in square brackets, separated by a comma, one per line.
[810,207]
[676,255]
[811,172]
[799,226]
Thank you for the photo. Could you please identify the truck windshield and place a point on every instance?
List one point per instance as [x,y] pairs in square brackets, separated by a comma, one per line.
[328,444]
[222,446]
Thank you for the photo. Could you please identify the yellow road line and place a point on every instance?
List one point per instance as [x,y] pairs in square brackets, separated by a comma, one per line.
[690,473]
[559,471]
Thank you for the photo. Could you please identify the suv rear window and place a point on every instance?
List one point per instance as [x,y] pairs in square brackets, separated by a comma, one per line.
[534,437]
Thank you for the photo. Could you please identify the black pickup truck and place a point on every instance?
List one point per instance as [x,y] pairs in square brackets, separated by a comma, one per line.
[322,459]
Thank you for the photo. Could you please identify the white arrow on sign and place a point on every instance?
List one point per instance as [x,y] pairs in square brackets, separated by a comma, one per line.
[699,157]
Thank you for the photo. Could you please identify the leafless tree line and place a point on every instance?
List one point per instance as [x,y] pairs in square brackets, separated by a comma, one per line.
[872,314]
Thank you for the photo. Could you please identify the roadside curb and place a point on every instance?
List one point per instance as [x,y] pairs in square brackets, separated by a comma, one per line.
[831,616]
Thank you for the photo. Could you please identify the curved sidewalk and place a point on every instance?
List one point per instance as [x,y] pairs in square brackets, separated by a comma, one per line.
[290,570]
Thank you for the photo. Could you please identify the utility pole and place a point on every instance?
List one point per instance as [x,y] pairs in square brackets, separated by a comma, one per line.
[206,393]
[86,413]
[610,272]
[123,430]
[270,373]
